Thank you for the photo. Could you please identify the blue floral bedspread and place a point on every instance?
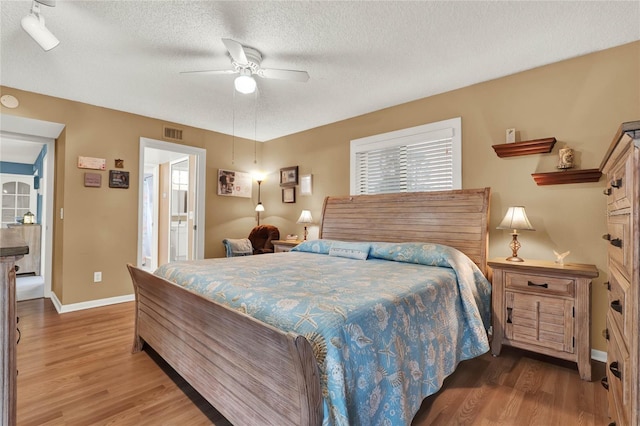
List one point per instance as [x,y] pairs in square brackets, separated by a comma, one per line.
[386,331]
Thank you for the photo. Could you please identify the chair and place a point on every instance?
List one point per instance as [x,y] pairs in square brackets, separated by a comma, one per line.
[258,242]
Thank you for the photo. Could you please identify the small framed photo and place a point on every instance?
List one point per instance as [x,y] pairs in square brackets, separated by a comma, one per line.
[289,195]
[118,179]
[289,176]
[305,185]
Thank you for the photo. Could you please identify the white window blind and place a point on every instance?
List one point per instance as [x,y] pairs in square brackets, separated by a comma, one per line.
[422,158]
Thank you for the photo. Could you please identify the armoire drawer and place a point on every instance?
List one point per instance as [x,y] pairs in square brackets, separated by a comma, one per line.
[619,242]
[619,303]
[620,179]
[618,371]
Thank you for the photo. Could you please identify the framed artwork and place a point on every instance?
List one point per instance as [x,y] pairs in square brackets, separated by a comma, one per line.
[118,179]
[305,185]
[289,195]
[289,176]
[93,180]
[234,184]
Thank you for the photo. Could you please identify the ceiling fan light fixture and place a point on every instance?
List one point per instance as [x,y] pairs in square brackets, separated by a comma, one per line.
[245,83]
[33,24]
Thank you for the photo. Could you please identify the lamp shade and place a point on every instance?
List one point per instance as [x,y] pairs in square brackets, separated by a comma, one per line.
[305,217]
[245,83]
[516,219]
[33,24]
[259,207]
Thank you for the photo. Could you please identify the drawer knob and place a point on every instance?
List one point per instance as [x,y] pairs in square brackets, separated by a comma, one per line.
[605,382]
[607,285]
[532,284]
[607,191]
[605,333]
[613,367]
[616,183]
[616,306]
[606,237]
[616,242]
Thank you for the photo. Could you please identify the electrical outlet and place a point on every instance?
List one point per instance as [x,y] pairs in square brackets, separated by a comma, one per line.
[97,277]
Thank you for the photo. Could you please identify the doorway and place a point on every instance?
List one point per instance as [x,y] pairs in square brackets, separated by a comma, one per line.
[19,135]
[171,203]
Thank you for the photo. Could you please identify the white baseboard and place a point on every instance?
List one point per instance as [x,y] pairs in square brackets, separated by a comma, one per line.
[62,309]
[599,355]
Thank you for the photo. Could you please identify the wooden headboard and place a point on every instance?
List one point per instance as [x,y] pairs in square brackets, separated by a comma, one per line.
[459,219]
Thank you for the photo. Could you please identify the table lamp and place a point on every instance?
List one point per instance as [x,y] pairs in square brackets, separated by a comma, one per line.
[515,219]
[305,218]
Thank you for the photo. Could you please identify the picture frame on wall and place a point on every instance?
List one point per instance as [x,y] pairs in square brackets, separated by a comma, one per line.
[118,179]
[289,176]
[234,184]
[305,185]
[289,195]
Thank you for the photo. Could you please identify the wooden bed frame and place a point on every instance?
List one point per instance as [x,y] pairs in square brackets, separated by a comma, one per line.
[254,373]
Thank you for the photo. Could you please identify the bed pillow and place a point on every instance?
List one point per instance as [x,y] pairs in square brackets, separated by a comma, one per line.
[314,246]
[358,251]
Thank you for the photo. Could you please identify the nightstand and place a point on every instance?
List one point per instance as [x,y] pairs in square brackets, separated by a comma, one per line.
[280,246]
[543,307]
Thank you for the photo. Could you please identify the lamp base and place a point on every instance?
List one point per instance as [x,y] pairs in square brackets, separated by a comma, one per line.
[515,259]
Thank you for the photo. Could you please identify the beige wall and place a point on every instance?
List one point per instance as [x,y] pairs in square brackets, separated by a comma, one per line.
[99,229]
[580,101]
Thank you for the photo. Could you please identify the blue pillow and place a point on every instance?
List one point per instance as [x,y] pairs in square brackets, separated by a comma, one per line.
[358,251]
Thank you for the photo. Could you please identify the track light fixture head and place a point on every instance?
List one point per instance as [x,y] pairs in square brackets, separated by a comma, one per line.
[34,25]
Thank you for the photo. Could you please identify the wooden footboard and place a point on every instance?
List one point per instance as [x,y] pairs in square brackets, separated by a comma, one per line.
[253,373]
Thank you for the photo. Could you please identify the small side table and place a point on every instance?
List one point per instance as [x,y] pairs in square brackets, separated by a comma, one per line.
[543,307]
[280,246]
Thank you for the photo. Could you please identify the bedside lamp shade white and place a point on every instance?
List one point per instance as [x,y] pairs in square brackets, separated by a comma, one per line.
[305,218]
[516,220]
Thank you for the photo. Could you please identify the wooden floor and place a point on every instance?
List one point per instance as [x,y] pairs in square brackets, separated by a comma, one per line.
[77,369]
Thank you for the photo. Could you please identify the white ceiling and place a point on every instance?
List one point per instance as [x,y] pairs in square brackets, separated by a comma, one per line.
[361,56]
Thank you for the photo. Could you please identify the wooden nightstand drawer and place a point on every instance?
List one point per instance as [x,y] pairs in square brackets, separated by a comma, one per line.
[543,284]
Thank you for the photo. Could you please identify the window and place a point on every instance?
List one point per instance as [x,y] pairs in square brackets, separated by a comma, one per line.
[422,158]
[18,198]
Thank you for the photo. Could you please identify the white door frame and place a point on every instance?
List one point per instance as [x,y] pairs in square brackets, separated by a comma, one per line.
[45,132]
[201,155]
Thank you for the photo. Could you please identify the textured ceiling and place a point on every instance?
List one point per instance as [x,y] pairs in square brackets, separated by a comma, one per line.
[361,56]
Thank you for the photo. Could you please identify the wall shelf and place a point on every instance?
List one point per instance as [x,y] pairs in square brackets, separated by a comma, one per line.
[537,146]
[567,176]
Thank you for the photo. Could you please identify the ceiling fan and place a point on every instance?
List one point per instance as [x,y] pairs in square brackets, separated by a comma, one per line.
[246,62]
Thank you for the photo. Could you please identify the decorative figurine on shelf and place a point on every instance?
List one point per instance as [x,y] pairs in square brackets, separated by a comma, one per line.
[560,257]
[566,158]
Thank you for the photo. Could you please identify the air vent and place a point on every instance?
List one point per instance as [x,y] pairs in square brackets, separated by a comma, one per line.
[172,133]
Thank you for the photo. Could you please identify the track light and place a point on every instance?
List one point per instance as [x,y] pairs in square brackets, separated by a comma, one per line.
[245,83]
[33,24]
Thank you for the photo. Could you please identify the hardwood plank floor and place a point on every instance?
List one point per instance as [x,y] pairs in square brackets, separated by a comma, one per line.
[77,369]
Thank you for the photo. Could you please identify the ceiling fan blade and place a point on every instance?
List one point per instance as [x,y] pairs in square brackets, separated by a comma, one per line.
[236,50]
[301,76]
[210,72]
